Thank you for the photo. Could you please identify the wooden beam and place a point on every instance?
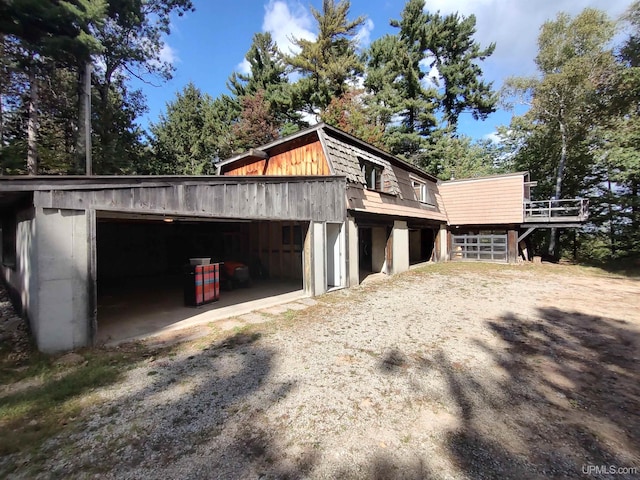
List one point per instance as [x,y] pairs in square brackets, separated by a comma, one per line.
[526,234]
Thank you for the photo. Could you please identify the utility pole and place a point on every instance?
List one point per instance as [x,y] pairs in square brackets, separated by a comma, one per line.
[87,118]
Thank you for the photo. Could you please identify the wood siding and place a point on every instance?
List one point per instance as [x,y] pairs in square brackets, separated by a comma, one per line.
[269,198]
[370,201]
[487,201]
[303,160]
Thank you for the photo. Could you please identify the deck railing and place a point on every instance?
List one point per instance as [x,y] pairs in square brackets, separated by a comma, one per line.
[574,209]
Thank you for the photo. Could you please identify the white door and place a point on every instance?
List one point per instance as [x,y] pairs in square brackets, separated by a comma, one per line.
[335,257]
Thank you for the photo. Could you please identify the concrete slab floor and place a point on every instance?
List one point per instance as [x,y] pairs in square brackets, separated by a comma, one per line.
[133,312]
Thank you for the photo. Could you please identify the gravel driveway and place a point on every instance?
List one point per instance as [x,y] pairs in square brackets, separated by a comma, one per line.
[449,371]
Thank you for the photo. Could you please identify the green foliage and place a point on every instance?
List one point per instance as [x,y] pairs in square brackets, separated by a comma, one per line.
[421,80]
[452,157]
[183,140]
[580,135]
[329,63]
[45,46]
[267,77]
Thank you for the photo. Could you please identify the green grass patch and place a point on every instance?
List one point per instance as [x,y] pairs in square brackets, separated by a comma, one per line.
[41,399]
[626,267]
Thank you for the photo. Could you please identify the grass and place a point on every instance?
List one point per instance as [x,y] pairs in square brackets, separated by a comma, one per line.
[43,399]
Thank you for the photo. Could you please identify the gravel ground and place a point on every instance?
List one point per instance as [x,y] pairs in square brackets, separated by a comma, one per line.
[445,372]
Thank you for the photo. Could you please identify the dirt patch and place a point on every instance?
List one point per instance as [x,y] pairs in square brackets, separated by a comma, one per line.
[446,372]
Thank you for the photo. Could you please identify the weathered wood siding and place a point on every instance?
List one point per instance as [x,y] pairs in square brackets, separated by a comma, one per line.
[303,160]
[370,201]
[484,201]
[267,198]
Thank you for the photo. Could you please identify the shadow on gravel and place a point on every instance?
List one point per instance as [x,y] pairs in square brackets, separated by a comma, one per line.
[385,467]
[568,406]
[195,400]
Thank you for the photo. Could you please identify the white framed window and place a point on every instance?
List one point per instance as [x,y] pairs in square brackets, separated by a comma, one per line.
[372,175]
[422,192]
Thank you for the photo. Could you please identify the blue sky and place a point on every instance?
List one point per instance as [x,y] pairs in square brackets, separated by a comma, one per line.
[207,45]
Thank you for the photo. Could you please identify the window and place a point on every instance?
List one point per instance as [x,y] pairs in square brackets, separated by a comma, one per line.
[423,193]
[372,175]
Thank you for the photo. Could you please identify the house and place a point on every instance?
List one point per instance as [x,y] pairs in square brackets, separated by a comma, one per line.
[394,214]
[315,211]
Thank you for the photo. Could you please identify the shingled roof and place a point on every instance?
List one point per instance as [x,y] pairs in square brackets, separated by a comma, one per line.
[345,158]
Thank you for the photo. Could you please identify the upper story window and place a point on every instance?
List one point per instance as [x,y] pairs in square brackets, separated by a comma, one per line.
[423,193]
[372,175]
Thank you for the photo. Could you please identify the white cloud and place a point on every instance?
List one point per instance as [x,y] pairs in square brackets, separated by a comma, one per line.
[244,67]
[495,137]
[168,54]
[514,25]
[285,20]
[363,37]
[432,79]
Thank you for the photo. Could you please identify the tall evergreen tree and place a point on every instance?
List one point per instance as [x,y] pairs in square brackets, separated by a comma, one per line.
[329,63]
[183,143]
[132,39]
[423,78]
[616,142]
[46,35]
[268,78]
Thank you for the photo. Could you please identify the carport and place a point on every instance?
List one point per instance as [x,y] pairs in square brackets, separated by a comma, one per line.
[108,253]
[141,263]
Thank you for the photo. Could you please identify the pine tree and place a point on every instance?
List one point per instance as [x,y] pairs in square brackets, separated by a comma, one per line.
[329,64]
[183,143]
[422,78]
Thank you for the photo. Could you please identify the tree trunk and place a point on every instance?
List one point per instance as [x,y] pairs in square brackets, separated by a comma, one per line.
[32,124]
[612,227]
[553,236]
[83,149]
[635,206]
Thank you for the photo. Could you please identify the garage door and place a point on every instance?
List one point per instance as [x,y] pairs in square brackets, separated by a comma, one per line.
[479,247]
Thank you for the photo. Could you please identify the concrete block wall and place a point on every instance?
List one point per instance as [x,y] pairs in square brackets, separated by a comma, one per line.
[400,247]
[19,276]
[353,274]
[61,317]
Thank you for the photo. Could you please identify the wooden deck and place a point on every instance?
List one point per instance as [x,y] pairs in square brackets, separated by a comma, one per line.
[575,210]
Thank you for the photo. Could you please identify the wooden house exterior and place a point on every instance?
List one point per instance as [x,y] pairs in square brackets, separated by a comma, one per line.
[394,212]
[320,209]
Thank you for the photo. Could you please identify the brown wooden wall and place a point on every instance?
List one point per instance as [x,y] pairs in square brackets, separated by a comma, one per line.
[304,160]
[280,256]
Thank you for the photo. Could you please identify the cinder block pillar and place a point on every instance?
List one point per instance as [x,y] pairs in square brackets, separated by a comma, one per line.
[443,240]
[315,281]
[400,247]
[353,254]
[65,309]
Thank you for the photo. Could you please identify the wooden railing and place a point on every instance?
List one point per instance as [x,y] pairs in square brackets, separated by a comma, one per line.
[565,210]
